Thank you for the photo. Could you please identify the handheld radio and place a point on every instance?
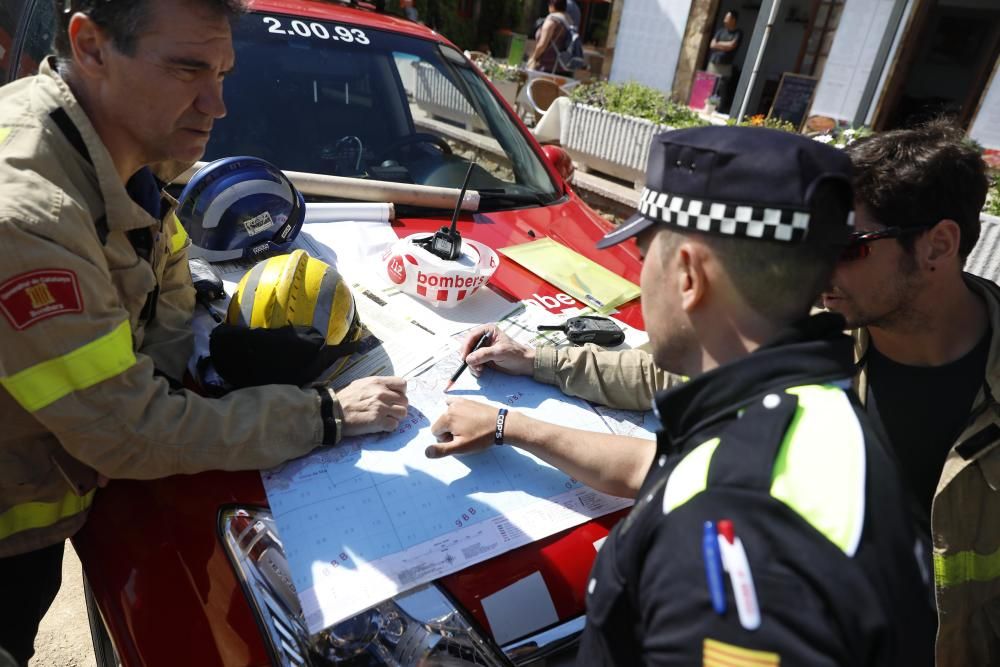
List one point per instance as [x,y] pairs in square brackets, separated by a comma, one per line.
[447,241]
[589,329]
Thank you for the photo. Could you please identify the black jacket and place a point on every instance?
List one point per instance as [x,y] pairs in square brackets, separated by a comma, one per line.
[783,450]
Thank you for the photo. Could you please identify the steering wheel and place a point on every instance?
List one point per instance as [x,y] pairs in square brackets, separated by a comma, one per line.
[411,140]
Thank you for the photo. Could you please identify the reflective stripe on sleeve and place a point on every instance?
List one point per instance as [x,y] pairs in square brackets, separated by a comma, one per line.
[39,515]
[821,467]
[964,567]
[690,477]
[44,383]
[180,237]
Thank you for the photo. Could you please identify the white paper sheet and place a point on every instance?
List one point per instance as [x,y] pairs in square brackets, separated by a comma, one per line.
[374,516]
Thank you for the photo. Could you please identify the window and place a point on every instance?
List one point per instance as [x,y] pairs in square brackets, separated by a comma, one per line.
[816,43]
[372,104]
[37,39]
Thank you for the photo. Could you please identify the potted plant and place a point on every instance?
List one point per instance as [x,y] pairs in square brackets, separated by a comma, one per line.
[770,122]
[993,197]
[506,78]
[610,126]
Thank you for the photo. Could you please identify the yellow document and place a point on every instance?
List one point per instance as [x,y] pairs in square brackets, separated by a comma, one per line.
[578,276]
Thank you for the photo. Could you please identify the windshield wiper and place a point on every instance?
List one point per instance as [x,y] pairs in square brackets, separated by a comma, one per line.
[501,195]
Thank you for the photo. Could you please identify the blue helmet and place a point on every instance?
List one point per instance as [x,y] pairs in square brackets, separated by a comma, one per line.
[240,207]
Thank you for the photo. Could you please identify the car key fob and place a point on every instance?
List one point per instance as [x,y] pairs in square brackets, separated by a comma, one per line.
[589,329]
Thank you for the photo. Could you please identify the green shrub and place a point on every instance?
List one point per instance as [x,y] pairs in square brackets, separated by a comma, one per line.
[993,196]
[496,70]
[445,17]
[841,137]
[637,100]
[764,121]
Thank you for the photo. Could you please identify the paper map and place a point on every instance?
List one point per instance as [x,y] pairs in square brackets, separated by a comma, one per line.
[373,517]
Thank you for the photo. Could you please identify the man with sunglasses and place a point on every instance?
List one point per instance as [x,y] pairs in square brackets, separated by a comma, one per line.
[929,360]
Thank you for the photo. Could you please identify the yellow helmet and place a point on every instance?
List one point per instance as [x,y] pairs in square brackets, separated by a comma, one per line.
[291,317]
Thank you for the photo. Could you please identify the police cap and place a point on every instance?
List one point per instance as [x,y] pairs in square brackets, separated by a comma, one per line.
[744,182]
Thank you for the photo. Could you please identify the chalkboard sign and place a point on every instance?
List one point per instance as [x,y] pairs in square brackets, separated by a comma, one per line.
[795,94]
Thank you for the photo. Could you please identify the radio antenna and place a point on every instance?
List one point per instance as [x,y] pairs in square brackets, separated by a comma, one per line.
[447,241]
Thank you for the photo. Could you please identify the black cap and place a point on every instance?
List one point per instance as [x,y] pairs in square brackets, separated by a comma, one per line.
[748,182]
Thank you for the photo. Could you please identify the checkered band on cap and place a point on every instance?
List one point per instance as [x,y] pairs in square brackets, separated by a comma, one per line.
[753,222]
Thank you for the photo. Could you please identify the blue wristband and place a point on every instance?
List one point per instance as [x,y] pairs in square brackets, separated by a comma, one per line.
[498,434]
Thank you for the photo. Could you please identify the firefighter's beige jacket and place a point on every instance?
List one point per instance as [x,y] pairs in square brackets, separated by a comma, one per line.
[627,380]
[965,517]
[81,364]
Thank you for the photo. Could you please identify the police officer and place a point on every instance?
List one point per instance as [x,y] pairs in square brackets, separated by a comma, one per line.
[769,526]
[96,296]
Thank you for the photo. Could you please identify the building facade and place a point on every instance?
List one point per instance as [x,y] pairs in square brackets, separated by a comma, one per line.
[881,63]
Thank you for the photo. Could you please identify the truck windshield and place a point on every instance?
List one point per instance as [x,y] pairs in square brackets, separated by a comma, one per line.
[337,99]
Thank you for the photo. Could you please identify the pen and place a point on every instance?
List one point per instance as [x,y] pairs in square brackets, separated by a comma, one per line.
[713,568]
[734,559]
[461,369]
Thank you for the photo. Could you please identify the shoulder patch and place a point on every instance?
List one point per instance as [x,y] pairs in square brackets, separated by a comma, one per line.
[721,654]
[29,298]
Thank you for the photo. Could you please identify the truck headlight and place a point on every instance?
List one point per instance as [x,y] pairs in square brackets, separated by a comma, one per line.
[420,627]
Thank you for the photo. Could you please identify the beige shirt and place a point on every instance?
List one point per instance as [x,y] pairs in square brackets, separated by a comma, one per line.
[627,380]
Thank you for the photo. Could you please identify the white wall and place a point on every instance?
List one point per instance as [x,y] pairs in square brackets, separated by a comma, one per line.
[986,127]
[852,56]
[782,49]
[649,42]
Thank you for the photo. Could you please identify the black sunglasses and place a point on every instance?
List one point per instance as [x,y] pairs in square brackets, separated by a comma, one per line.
[858,242]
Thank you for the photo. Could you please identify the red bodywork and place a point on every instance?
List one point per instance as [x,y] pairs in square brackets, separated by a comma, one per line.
[151,550]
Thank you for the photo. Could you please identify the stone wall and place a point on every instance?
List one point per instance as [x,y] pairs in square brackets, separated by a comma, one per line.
[694,46]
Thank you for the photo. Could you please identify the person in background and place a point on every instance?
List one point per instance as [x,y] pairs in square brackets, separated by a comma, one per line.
[721,54]
[928,350]
[770,525]
[96,297]
[552,37]
[409,11]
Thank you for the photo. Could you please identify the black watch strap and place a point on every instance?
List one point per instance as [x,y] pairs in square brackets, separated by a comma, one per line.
[327,414]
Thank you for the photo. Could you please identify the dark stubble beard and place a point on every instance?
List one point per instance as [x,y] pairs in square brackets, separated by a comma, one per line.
[903,315]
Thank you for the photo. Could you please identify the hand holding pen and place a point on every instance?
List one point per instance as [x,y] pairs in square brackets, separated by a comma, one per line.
[483,339]
[500,352]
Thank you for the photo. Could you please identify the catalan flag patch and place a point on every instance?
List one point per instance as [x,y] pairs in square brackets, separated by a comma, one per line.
[31,297]
[721,654]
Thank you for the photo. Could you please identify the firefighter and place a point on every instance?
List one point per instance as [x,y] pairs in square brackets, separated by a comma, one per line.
[927,345]
[96,295]
[770,526]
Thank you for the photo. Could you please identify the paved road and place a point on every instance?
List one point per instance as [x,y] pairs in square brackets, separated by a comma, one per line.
[64,636]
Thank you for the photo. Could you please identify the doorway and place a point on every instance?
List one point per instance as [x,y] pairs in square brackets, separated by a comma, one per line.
[945,63]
